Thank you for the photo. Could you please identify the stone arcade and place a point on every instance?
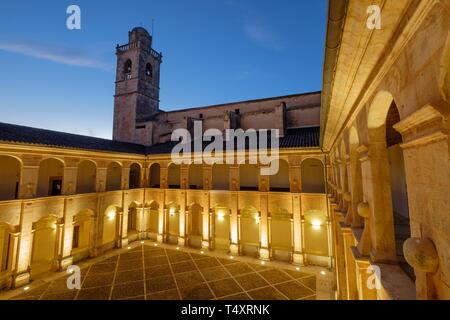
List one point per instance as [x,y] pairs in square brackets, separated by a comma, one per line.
[363,182]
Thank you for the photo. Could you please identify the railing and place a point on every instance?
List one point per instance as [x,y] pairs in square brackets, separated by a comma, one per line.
[134,45]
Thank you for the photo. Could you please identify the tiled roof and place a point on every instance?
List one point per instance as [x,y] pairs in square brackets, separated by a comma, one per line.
[295,138]
[28,135]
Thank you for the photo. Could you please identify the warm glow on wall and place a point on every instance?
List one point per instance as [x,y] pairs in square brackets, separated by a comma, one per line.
[172,211]
[111,215]
[316,224]
[221,215]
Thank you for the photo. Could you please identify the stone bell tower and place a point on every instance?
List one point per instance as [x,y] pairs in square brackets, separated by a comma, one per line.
[136,98]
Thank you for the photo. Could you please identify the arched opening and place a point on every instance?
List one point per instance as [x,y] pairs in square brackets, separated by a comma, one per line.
[109,235]
[221,231]
[316,233]
[135,176]
[173,178]
[44,245]
[220,177]
[313,179]
[86,177]
[154,176]
[195,226]
[113,176]
[391,194]
[128,68]
[196,176]
[281,226]
[249,177]
[10,169]
[153,220]
[5,247]
[83,225]
[249,231]
[51,174]
[132,229]
[280,181]
[149,70]
[173,223]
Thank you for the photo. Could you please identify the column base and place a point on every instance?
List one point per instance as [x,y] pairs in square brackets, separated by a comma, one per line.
[65,263]
[205,245]
[298,259]
[234,249]
[21,279]
[264,254]
[123,242]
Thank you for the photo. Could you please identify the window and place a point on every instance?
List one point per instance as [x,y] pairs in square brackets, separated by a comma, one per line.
[128,66]
[149,70]
[76,237]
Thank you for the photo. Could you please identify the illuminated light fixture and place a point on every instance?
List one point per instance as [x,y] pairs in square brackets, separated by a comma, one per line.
[231,257]
[129,248]
[142,242]
[111,215]
[263,262]
[298,269]
[155,245]
[178,248]
[257,219]
[26,288]
[316,224]
[323,273]
[202,252]
[221,216]
[172,212]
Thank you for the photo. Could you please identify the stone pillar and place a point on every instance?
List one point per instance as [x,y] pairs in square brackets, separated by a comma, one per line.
[29,177]
[207,217]
[122,239]
[125,183]
[264,248]
[66,258]
[182,217]
[25,245]
[70,177]
[234,223]
[164,172]
[362,277]
[298,257]
[377,192]
[207,177]
[102,174]
[350,264]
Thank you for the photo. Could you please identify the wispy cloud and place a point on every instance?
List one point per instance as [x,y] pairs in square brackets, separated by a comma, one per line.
[255,27]
[60,55]
[263,35]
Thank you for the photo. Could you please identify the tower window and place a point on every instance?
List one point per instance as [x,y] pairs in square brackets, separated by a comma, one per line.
[128,66]
[149,70]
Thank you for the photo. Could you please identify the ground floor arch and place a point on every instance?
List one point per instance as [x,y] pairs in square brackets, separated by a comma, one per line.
[249,231]
[83,234]
[195,226]
[44,251]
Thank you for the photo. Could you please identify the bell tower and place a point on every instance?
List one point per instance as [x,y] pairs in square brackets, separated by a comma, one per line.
[136,98]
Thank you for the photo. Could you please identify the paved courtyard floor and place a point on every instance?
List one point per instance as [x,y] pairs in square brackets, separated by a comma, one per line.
[151,272]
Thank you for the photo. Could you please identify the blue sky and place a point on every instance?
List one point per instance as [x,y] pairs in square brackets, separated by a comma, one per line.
[215,51]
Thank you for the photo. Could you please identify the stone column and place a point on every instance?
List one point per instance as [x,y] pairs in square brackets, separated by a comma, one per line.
[206,216]
[66,258]
[377,191]
[264,249]
[25,245]
[298,256]
[102,174]
[125,183]
[350,264]
[234,223]
[29,177]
